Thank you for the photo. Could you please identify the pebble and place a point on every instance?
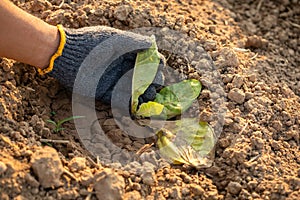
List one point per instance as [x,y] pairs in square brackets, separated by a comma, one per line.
[86,177]
[234,188]
[206,116]
[227,57]
[136,186]
[237,81]
[186,178]
[77,164]
[133,195]
[133,167]
[47,166]
[248,95]
[210,45]
[257,142]
[31,180]
[3,167]
[34,190]
[197,189]
[148,177]
[121,12]
[175,193]
[236,95]
[69,194]
[84,192]
[256,42]
[109,185]
[185,191]
[20,197]
[149,157]
[227,78]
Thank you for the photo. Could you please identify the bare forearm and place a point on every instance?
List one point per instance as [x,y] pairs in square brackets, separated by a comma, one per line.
[24,37]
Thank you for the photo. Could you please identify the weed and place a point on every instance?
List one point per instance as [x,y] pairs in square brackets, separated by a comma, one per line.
[58,124]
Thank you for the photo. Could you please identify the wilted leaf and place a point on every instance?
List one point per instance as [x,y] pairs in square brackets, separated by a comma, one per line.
[145,69]
[189,142]
[198,134]
[167,148]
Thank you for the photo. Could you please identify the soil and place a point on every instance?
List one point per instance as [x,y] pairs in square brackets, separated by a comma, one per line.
[255,48]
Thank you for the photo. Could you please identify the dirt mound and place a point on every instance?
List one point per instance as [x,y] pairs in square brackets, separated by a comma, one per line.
[255,49]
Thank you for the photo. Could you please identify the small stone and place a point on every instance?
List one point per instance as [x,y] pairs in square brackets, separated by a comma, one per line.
[31,180]
[255,195]
[185,191]
[210,45]
[196,189]
[236,95]
[248,95]
[77,164]
[3,167]
[109,185]
[257,142]
[110,122]
[224,142]
[205,116]
[244,194]
[185,177]
[84,192]
[86,177]
[69,194]
[34,190]
[234,188]
[175,193]
[121,12]
[227,57]
[148,177]
[227,78]
[148,166]
[256,42]
[277,125]
[133,195]
[38,5]
[149,157]
[4,196]
[47,165]
[20,197]
[237,81]
[252,78]
[136,186]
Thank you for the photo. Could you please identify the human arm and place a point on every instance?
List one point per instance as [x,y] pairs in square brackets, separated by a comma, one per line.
[26,38]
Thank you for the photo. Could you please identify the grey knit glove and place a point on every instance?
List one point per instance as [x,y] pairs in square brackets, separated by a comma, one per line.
[95,58]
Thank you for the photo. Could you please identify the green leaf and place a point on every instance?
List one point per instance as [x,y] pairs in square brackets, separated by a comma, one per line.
[51,121]
[178,97]
[68,119]
[146,66]
[59,123]
[150,109]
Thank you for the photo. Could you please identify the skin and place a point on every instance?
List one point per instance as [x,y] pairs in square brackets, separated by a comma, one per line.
[26,38]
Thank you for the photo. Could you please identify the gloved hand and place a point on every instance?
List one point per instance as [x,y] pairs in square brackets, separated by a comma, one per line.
[95,58]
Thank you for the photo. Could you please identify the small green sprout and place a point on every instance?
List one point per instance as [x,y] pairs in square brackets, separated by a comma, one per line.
[58,124]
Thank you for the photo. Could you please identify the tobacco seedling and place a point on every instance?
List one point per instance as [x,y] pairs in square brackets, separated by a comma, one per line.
[58,125]
[186,141]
